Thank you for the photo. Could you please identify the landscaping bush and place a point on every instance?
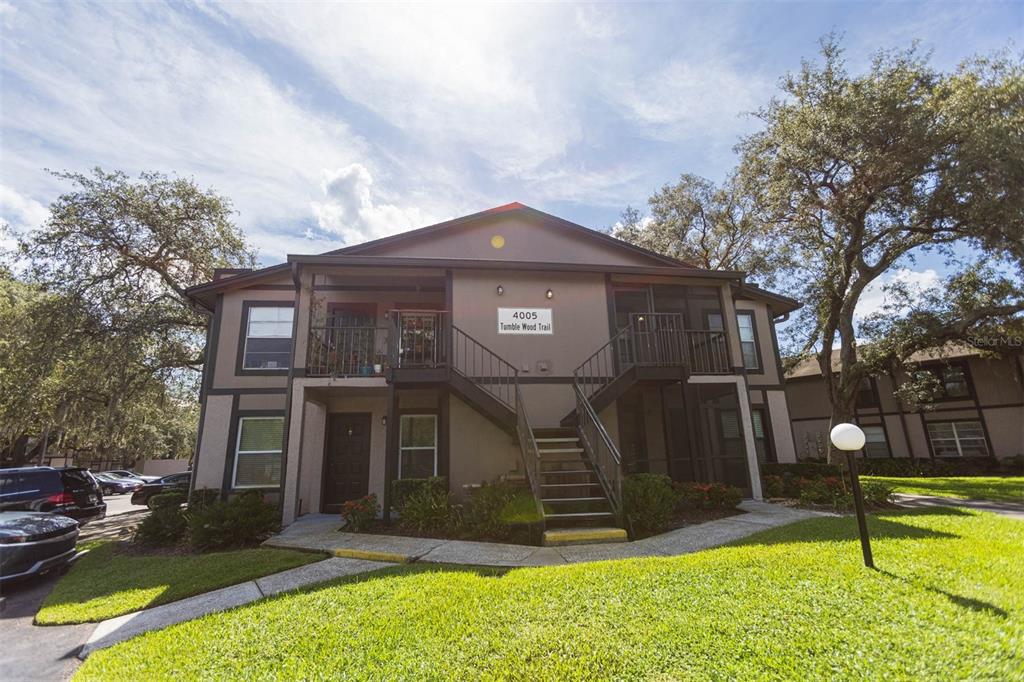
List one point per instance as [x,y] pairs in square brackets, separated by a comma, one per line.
[965,466]
[827,490]
[358,514]
[876,493]
[485,513]
[429,509]
[404,488]
[241,521]
[648,501]
[691,495]
[201,497]
[167,500]
[165,526]
[803,469]
[774,486]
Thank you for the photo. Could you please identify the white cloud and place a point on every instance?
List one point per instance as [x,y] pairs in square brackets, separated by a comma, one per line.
[874,298]
[474,76]
[20,212]
[352,212]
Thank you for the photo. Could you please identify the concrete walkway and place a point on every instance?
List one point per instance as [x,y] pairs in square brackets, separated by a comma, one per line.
[357,553]
[319,532]
[1013,510]
[114,630]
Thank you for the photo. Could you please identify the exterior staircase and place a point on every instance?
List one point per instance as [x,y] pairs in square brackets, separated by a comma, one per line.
[575,505]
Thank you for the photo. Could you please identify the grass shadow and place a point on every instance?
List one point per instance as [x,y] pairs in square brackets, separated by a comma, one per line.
[881,525]
[963,602]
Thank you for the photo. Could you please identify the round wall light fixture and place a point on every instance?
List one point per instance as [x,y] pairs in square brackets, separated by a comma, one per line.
[497,241]
[500,290]
[549,293]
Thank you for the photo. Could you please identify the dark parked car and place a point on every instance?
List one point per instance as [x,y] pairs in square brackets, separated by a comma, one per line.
[166,484]
[112,485]
[71,491]
[128,473]
[34,542]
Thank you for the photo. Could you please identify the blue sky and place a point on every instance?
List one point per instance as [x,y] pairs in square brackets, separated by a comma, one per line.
[333,124]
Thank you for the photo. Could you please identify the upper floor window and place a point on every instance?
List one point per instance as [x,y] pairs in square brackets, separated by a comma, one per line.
[748,340]
[952,381]
[866,396]
[268,337]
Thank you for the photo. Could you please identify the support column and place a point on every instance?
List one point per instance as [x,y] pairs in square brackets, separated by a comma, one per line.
[743,394]
[390,448]
[293,453]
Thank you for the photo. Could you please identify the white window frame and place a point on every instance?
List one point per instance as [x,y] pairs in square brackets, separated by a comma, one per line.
[956,439]
[245,346]
[401,448]
[238,453]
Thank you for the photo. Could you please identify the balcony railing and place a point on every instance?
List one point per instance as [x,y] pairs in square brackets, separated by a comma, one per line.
[347,351]
[415,339]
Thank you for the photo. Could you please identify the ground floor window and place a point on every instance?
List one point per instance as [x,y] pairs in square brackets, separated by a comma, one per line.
[417,452]
[258,452]
[957,439]
[759,418]
[875,444]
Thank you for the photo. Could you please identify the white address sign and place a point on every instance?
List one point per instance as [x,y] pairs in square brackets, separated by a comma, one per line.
[525,321]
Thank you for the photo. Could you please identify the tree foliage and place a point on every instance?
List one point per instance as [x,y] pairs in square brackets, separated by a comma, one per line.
[708,226]
[99,346]
[858,173]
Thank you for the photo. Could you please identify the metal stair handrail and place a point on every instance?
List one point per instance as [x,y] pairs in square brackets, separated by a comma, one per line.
[600,448]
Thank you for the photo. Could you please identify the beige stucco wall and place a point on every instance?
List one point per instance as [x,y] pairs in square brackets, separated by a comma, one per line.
[782,434]
[230,330]
[579,315]
[479,451]
[209,472]
[525,240]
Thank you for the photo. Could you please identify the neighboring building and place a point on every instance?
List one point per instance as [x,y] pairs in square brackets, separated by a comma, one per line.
[468,349]
[981,412]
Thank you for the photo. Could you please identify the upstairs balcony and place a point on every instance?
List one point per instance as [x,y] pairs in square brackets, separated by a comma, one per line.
[412,340]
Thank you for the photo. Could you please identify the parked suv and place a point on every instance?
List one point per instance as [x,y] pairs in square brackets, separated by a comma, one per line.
[70,491]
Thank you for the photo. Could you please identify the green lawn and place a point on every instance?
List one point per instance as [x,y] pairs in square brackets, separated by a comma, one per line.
[788,603]
[106,583]
[1000,488]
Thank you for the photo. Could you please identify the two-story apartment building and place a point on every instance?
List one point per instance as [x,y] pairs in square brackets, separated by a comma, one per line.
[507,343]
[979,411]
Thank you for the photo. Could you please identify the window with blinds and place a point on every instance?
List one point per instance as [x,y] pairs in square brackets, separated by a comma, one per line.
[268,338]
[258,452]
[748,341]
[958,439]
[417,446]
[875,444]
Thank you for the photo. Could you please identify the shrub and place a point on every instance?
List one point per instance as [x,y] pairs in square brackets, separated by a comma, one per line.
[774,486]
[429,510]
[648,501]
[166,500]
[876,493]
[804,469]
[201,497]
[163,527]
[691,495]
[241,521]
[485,513]
[403,488]
[358,514]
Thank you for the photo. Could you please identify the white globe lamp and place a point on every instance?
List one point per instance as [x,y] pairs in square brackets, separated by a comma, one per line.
[847,437]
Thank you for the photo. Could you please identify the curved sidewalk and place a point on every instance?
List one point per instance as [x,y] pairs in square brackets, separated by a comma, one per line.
[359,553]
[1013,510]
[319,533]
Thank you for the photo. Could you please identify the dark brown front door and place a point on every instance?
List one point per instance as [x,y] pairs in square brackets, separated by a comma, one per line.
[346,460]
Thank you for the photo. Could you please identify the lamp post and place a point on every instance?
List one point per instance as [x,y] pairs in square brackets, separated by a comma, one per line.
[849,438]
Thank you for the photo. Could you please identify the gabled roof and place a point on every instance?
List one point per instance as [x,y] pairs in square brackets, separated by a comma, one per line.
[808,367]
[514,208]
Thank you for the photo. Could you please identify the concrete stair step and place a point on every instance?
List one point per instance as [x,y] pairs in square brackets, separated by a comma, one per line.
[560,537]
[556,500]
[579,515]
